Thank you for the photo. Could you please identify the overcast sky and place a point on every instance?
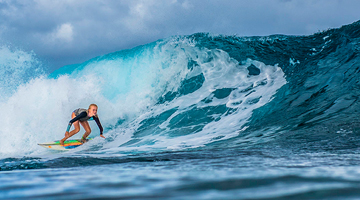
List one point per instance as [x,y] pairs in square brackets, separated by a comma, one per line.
[65,32]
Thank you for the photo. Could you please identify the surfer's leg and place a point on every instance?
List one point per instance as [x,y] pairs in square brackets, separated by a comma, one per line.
[73,132]
[87,128]
[76,130]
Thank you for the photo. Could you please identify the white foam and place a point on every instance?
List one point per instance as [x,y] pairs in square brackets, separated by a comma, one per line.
[16,68]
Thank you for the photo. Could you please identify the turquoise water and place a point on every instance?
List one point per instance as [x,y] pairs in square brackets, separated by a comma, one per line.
[190,117]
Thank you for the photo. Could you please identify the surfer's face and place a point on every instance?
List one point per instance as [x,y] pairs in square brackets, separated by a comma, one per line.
[92,111]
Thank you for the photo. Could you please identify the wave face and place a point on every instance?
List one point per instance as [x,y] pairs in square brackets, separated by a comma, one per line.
[189,92]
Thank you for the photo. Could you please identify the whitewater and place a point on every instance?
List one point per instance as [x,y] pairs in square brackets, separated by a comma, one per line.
[202,116]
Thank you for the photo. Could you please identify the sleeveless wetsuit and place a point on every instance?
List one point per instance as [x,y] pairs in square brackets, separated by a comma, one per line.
[81,115]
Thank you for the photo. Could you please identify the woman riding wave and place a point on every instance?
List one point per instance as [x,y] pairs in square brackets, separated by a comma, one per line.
[81,116]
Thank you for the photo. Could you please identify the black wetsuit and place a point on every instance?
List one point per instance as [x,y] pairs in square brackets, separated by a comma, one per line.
[82,115]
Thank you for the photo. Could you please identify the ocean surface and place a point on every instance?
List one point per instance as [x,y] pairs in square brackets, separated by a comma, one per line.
[201,116]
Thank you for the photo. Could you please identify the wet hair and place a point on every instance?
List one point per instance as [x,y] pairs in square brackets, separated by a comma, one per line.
[92,105]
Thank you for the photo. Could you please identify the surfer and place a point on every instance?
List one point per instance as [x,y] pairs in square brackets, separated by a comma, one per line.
[81,116]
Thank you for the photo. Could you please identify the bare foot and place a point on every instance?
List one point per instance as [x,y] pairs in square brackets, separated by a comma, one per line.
[62,142]
[83,140]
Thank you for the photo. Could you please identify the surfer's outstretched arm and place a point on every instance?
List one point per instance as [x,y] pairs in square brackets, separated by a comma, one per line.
[97,120]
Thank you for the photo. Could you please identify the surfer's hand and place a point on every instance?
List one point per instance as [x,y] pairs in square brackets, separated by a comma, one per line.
[102,136]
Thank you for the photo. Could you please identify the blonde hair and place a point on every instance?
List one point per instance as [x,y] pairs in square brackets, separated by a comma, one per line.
[92,105]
